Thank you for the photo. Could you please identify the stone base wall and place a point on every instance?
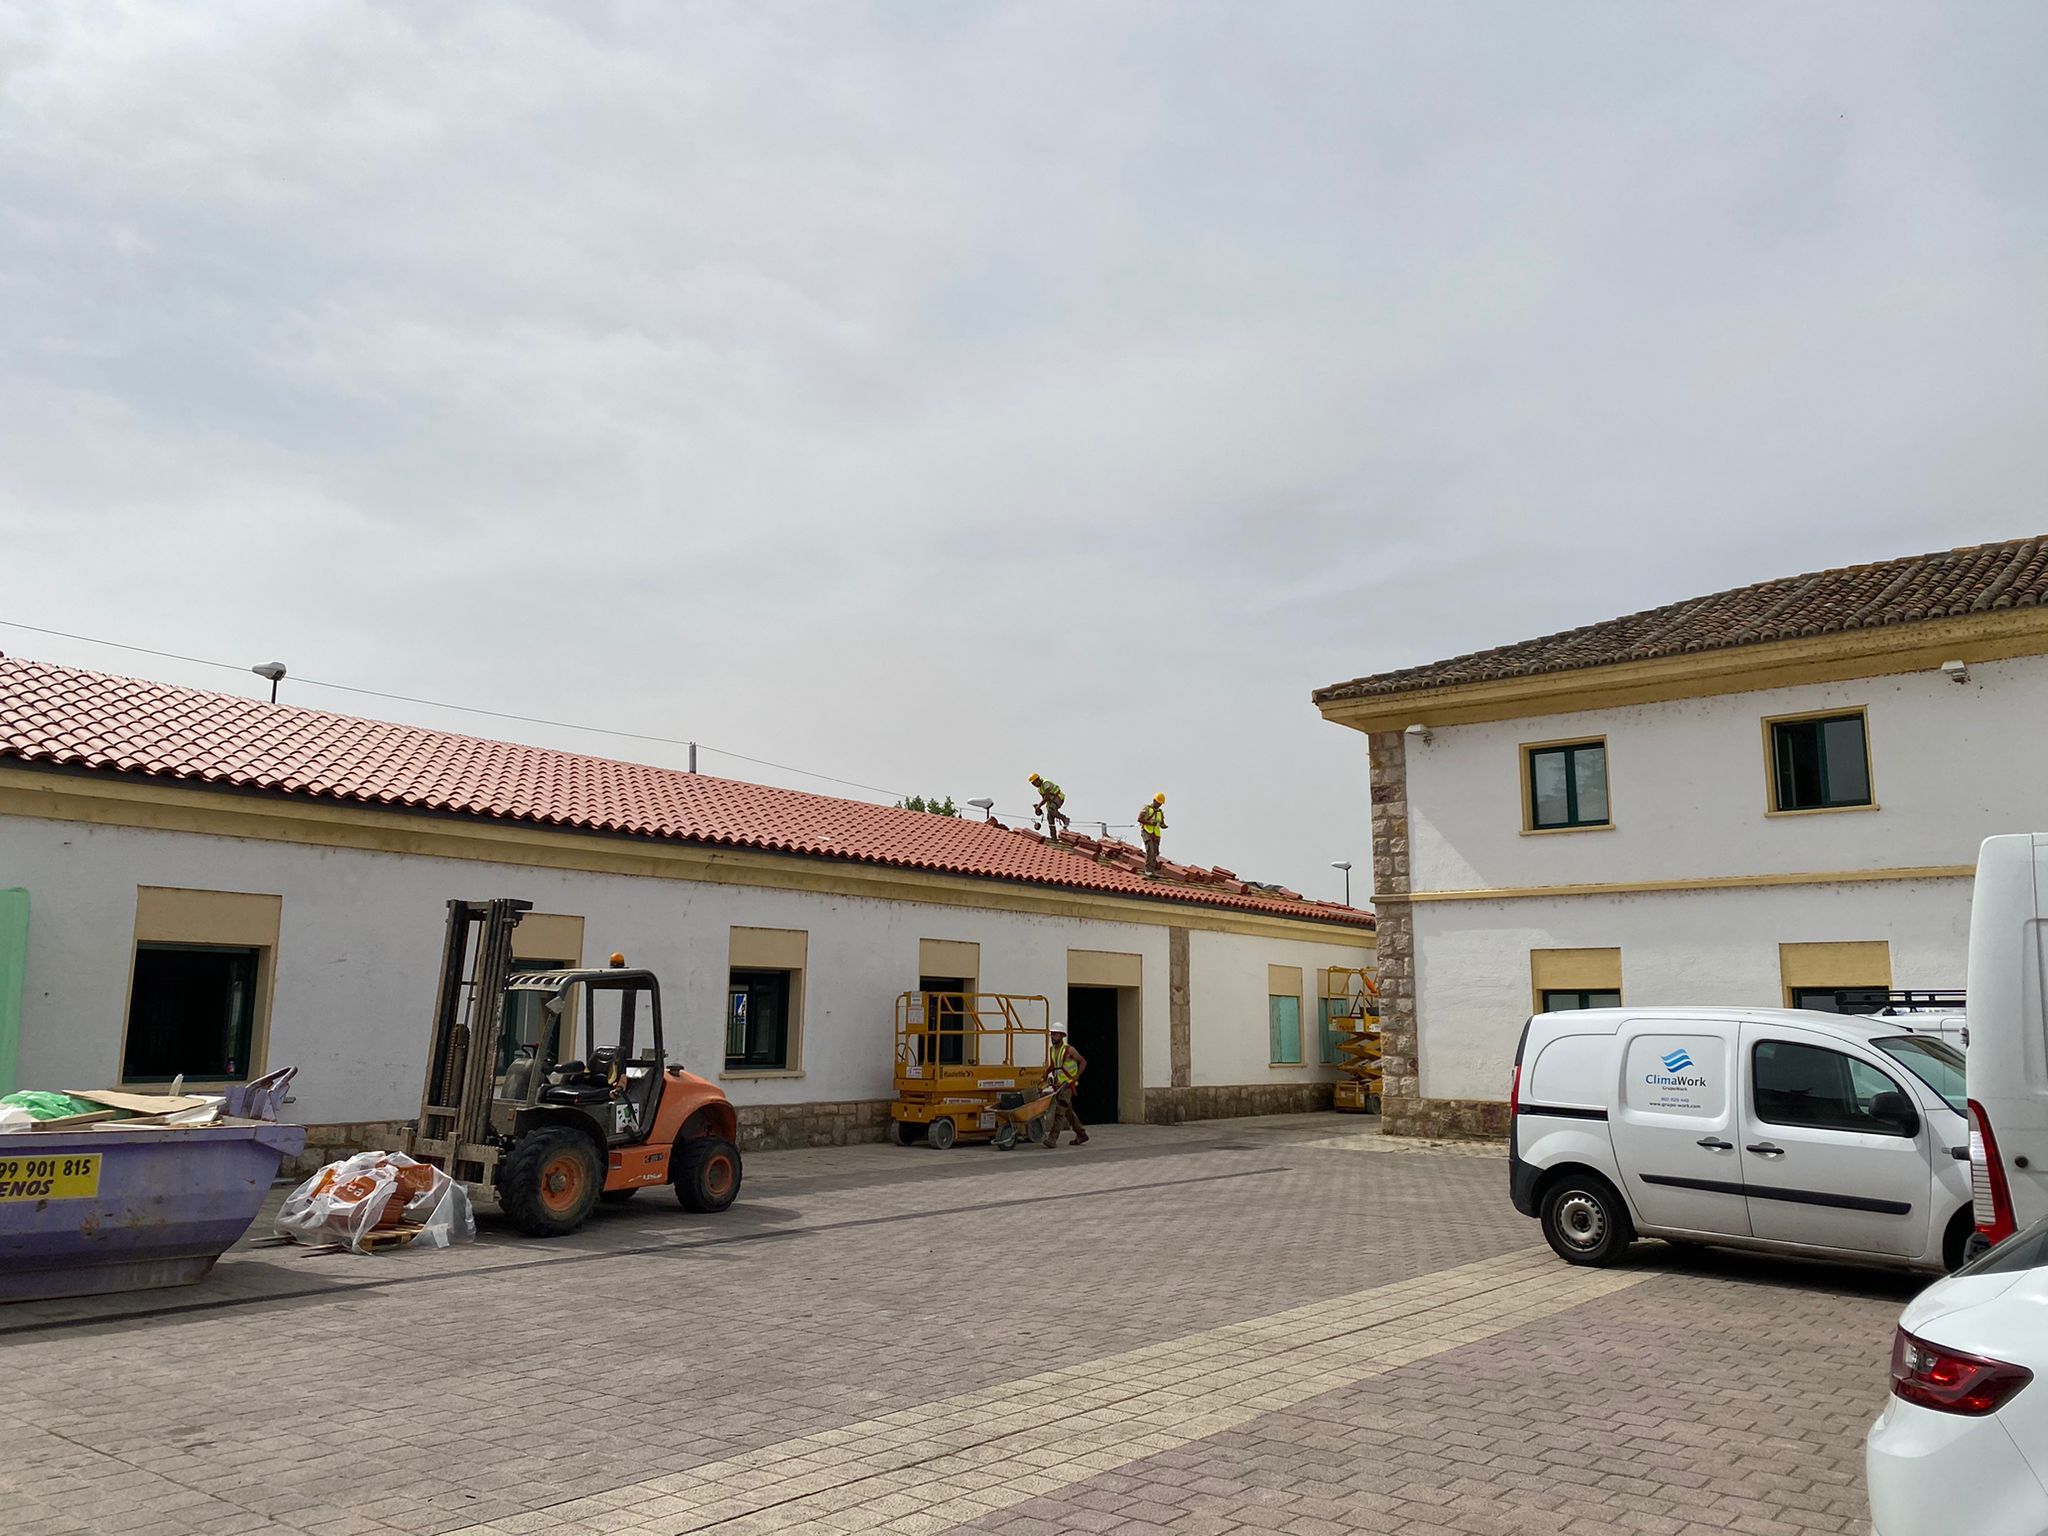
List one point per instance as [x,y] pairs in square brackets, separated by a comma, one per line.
[1444,1117]
[779,1127]
[1170,1106]
[331,1143]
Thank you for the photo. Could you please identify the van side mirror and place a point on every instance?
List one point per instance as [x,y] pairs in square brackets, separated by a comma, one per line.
[1894,1108]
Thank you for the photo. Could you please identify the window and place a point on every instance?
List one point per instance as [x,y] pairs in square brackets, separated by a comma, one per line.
[1555,999]
[1283,1016]
[1857,1000]
[191,1013]
[1819,764]
[1812,1086]
[1935,1062]
[1328,1034]
[1567,786]
[757,1021]
[1574,978]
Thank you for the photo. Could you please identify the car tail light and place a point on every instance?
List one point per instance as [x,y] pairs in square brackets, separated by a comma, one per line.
[1950,1381]
[1515,1092]
[1990,1195]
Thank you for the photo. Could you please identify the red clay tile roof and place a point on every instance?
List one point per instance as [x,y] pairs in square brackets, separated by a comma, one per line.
[70,718]
[1913,590]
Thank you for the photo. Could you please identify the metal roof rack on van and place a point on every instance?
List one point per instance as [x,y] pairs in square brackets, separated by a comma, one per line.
[1885,1003]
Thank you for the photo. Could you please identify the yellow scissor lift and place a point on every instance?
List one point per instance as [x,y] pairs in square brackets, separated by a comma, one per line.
[957,1054]
[1354,998]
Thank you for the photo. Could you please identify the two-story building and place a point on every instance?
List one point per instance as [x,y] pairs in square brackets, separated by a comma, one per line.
[1767,796]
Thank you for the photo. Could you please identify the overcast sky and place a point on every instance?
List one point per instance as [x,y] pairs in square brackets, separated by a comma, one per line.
[926,394]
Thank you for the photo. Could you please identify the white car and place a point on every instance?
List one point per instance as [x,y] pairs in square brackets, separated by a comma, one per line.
[1962,1444]
[1763,1128]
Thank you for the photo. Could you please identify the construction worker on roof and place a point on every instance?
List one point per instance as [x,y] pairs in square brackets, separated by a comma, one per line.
[1063,1068]
[1051,799]
[1152,822]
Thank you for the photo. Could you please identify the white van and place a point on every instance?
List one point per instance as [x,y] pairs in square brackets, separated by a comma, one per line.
[1795,1132]
[2008,1075]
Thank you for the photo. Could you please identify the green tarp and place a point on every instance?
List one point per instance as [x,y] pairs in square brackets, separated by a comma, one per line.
[13,979]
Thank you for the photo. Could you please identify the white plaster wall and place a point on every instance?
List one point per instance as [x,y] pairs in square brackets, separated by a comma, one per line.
[1229,1036]
[361,937]
[1678,948]
[1950,765]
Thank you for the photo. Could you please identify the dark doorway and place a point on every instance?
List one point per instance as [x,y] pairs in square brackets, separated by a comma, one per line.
[943,1012]
[1091,1029]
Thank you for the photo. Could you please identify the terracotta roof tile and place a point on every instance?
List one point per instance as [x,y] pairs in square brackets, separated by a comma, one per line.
[71,718]
[1979,579]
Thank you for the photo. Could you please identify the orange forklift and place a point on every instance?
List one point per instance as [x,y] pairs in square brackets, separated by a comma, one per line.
[510,1110]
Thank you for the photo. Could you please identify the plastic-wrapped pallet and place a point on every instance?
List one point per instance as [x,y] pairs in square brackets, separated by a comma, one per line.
[378,1200]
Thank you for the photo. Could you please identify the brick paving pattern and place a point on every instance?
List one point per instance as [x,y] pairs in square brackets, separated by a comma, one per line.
[1202,1328]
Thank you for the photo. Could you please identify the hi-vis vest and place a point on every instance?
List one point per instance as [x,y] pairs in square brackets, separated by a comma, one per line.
[1051,793]
[1151,819]
[1061,1072]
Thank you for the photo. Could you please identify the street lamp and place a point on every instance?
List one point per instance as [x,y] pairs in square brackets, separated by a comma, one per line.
[1345,865]
[274,670]
[986,807]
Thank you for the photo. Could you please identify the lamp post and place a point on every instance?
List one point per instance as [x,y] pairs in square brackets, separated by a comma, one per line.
[274,670]
[986,807]
[1345,865]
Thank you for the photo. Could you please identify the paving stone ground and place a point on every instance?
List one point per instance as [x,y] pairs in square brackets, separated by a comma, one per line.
[1287,1324]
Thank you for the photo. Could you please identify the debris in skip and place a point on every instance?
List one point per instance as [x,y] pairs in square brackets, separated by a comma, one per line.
[377,1200]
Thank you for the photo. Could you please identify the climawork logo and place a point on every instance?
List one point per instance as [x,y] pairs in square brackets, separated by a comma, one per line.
[1675,1061]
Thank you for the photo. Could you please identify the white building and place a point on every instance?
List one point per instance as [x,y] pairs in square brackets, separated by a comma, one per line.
[1772,795]
[217,886]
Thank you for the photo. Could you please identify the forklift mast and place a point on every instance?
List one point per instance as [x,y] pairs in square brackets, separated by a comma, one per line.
[469,1017]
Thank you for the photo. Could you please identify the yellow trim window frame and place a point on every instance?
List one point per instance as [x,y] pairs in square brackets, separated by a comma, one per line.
[1818,761]
[1565,786]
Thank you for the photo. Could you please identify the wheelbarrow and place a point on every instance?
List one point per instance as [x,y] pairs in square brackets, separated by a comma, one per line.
[1022,1116]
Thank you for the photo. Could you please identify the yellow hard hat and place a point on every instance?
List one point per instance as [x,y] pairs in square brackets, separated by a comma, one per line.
[1032,780]
[1160,798]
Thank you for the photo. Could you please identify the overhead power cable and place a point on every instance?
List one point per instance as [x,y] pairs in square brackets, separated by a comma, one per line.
[467,709]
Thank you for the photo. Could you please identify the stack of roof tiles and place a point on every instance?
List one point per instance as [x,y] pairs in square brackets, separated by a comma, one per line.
[1982,578]
[64,717]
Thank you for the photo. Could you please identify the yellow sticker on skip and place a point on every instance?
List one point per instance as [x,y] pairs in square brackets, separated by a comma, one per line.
[49,1178]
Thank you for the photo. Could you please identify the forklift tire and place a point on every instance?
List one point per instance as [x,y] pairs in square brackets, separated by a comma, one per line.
[1006,1137]
[707,1173]
[940,1133]
[617,1196]
[549,1183]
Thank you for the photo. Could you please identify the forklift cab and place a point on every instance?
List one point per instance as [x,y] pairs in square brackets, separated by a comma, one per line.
[613,1078]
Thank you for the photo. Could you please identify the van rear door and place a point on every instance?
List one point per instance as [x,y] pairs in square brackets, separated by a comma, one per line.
[2008,1013]
[1674,1125]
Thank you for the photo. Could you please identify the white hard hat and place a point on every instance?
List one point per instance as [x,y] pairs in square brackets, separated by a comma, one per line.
[1058,1028]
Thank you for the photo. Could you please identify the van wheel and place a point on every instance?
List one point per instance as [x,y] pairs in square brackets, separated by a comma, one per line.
[1955,1243]
[1584,1221]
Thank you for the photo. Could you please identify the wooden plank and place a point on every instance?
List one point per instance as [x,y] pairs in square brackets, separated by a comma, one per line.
[139,1103]
[72,1122]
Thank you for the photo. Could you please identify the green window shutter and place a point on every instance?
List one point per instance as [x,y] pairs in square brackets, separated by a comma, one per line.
[1284,1019]
[1326,1040]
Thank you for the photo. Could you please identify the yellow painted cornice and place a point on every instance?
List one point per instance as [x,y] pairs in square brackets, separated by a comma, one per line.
[1839,657]
[1701,883]
[110,800]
